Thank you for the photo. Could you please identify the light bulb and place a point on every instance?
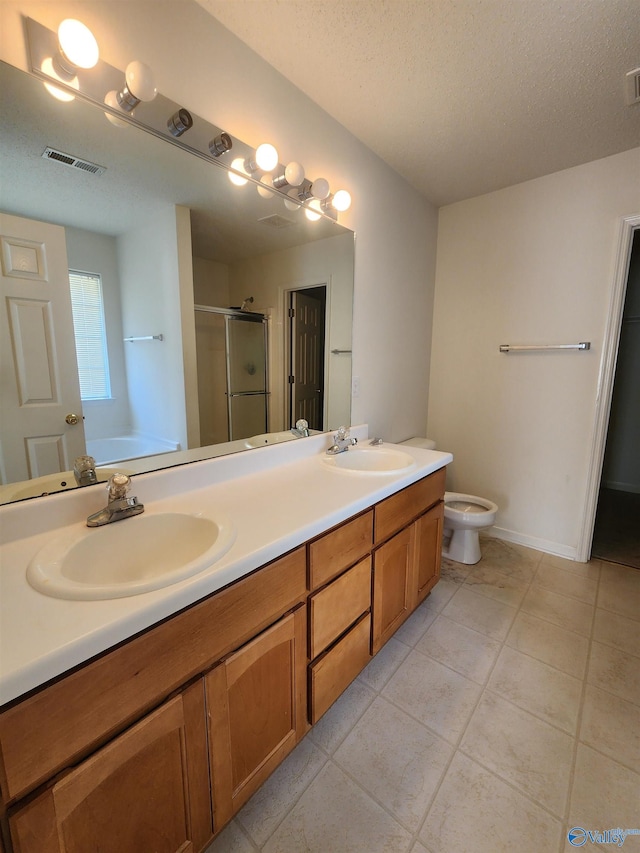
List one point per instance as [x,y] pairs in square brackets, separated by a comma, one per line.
[290,204]
[78,44]
[48,68]
[140,81]
[266,157]
[238,165]
[341,200]
[320,188]
[311,208]
[111,100]
[294,174]
[264,187]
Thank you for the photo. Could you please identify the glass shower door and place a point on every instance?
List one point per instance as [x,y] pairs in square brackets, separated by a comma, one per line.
[246,376]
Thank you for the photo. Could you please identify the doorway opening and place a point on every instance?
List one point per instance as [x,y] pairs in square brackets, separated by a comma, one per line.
[306,362]
[616,535]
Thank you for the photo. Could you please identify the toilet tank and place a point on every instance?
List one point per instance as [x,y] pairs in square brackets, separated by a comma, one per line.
[424,443]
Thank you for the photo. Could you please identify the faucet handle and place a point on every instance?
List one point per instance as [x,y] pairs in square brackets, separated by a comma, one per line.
[342,433]
[118,486]
[84,470]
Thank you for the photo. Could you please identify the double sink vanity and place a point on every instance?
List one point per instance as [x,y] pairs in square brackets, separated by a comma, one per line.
[156,671]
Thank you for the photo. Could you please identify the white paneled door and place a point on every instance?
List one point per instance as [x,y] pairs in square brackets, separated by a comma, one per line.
[41,427]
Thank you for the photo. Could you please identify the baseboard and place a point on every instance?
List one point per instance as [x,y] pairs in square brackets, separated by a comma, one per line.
[634,488]
[555,548]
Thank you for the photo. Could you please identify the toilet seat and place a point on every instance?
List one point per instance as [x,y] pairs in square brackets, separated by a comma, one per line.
[464,517]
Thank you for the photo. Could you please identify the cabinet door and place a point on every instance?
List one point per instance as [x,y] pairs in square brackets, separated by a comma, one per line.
[393,585]
[146,790]
[428,551]
[256,703]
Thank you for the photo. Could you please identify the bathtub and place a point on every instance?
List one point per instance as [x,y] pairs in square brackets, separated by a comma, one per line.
[106,451]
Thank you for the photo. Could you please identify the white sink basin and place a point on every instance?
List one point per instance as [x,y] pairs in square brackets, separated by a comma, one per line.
[50,483]
[128,557]
[371,460]
[267,438]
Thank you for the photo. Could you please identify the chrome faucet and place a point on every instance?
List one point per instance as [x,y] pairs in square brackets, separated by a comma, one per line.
[118,506]
[301,429]
[341,441]
[84,470]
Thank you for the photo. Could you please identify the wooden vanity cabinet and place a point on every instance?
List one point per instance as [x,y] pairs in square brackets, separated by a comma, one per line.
[146,790]
[256,710]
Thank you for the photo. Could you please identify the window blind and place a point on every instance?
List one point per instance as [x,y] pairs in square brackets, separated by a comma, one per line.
[90,334]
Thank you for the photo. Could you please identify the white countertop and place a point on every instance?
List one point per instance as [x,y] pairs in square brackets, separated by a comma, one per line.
[278,497]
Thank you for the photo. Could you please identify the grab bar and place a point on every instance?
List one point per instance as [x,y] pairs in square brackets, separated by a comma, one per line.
[584,345]
[144,338]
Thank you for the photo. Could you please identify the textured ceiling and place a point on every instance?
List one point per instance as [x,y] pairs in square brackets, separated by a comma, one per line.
[460,96]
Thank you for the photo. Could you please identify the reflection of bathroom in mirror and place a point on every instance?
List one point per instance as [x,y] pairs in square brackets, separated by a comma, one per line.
[161,231]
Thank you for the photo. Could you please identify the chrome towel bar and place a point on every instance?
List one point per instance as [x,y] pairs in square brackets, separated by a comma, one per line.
[144,338]
[543,347]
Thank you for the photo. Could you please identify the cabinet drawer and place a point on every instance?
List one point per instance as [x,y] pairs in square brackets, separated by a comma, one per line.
[396,512]
[335,670]
[334,608]
[62,723]
[334,552]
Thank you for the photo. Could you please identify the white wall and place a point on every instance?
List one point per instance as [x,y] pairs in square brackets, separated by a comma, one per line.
[533,263]
[221,79]
[97,253]
[149,273]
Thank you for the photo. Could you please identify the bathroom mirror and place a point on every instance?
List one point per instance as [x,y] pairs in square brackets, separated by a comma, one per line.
[165,231]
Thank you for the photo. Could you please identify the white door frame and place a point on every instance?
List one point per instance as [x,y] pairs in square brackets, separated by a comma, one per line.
[606,379]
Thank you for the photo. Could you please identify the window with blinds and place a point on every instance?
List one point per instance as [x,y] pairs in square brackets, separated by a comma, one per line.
[90,335]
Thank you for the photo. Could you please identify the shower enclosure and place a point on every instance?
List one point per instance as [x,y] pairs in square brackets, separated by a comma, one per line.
[231,354]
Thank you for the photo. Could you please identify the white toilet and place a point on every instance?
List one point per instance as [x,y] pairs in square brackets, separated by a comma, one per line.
[464,517]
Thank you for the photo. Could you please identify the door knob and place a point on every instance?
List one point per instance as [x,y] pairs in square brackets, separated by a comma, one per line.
[72,419]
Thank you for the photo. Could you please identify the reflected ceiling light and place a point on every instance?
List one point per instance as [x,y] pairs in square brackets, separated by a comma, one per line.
[180,122]
[111,100]
[320,188]
[293,176]
[239,166]
[48,68]
[78,47]
[292,204]
[313,210]
[265,187]
[220,144]
[139,86]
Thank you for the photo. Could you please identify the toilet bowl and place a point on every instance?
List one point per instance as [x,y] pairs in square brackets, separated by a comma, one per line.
[464,517]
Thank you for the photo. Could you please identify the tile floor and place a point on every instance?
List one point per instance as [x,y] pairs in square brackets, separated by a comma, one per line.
[505,711]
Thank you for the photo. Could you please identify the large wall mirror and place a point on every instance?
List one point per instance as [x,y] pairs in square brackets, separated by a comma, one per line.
[197,279]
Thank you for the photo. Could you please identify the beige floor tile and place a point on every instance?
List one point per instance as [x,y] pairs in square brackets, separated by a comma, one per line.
[433,694]
[537,687]
[612,629]
[396,759]
[619,590]
[611,725]
[566,583]
[585,570]
[480,613]
[271,802]
[410,631]
[476,811]
[509,558]
[332,728]
[468,652]
[380,669]
[440,594]
[334,814]
[559,609]
[549,643]
[418,848]
[494,584]
[231,840]
[604,796]
[522,750]
[614,671]
[456,572]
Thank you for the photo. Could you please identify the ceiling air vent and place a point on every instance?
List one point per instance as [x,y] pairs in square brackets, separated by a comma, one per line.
[276,221]
[632,79]
[73,162]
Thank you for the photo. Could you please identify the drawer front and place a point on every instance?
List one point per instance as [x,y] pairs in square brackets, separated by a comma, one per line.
[67,720]
[396,512]
[335,670]
[334,552]
[338,605]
